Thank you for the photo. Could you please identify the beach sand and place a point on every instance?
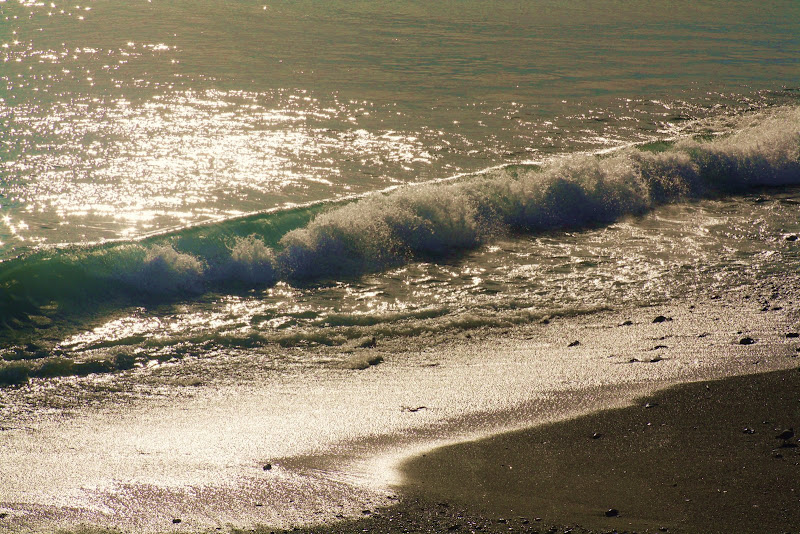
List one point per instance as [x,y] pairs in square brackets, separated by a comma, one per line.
[700,458]
[490,430]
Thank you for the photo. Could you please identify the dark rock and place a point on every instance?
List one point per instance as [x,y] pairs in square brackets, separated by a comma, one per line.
[651,405]
[786,434]
[656,359]
[633,360]
[626,323]
[659,347]
[368,343]
[791,238]
[747,341]
[267,467]
[574,343]
[176,521]
[366,512]
[612,512]
[661,319]
[597,435]
[792,334]
[3,515]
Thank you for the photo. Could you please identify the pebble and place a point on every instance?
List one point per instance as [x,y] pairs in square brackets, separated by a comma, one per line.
[176,521]
[792,334]
[651,405]
[574,343]
[661,319]
[626,323]
[267,467]
[747,341]
[612,512]
[597,435]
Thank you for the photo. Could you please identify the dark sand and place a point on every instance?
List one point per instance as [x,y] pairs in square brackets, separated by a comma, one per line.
[701,458]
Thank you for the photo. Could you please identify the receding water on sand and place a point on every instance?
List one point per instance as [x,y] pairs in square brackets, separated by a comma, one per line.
[198,450]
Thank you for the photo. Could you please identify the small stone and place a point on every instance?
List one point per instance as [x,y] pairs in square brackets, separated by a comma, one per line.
[366,512]
[651,405]
[267,467]
[633,360]
[747,341]
[3,515]
[612,512]
[791,238]
[574,343]
[597,435]
[792,335]
[661,319]
[626,323]
[176,521]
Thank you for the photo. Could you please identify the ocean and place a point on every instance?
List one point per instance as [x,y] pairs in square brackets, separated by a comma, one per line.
[180,177]
[322,236]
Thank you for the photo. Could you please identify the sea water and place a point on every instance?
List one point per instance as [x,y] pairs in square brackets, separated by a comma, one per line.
[184,179]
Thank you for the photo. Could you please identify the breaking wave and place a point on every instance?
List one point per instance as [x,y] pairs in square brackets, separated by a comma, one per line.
[423,222]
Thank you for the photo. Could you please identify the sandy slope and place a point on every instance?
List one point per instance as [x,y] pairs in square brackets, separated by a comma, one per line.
[335,436]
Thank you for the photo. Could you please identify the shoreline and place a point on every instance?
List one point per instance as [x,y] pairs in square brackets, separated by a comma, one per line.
[697,457]
[198,456]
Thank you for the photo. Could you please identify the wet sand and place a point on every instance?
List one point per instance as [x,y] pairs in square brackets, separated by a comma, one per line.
[392,447]
[696,458]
